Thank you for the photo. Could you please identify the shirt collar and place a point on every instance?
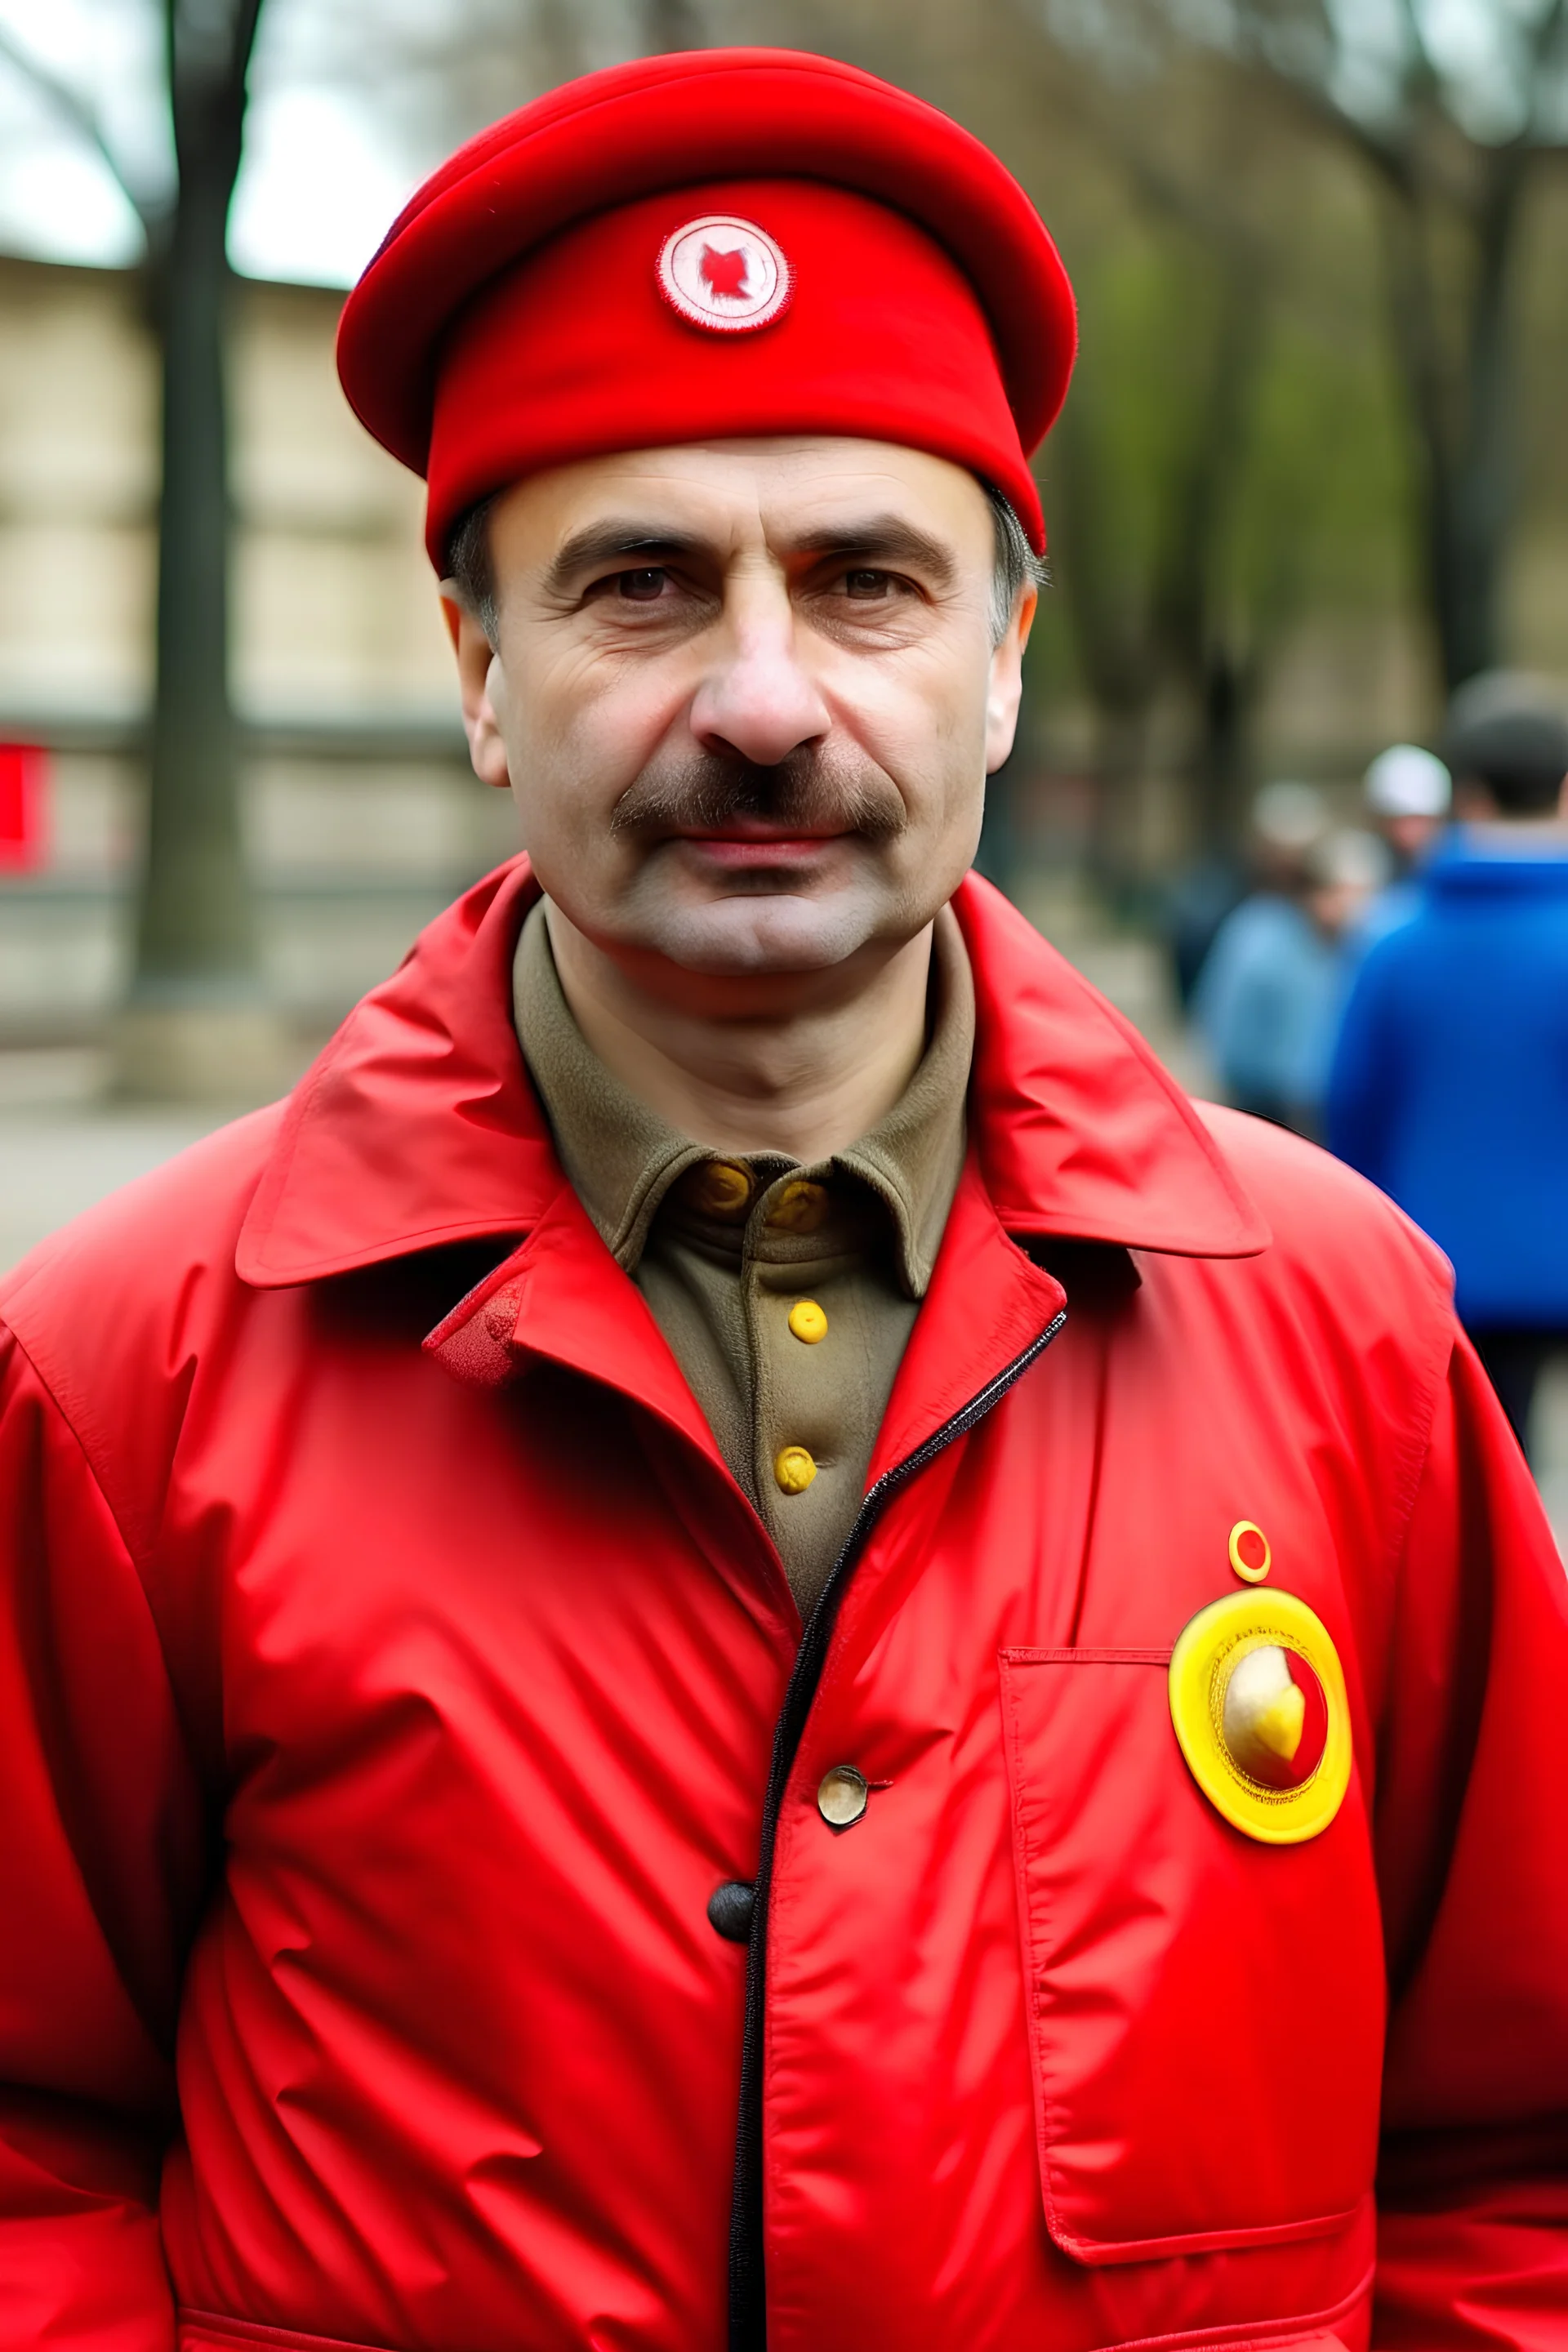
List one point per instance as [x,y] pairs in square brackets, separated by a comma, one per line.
[417,1129]
[623,1159]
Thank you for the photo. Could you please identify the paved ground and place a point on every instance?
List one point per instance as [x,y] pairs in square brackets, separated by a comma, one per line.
[62,1148]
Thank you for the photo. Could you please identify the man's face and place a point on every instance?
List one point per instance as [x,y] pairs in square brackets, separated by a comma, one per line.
[746,697]
[1410,837]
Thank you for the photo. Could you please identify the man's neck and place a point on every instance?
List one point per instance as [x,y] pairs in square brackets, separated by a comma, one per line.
[805,1082]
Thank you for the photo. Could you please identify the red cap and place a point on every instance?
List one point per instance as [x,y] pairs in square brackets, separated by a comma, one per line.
[730,243]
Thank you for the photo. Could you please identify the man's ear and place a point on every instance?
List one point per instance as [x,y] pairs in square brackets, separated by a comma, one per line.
[1005,688]
[477,660]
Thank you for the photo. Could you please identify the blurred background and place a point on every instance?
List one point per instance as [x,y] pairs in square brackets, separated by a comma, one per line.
[1312,479]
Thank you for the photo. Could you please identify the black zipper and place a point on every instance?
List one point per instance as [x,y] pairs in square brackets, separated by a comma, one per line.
[748,2287]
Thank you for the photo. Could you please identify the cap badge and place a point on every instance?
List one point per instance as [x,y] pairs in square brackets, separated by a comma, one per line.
[725,273]
[1258,1700]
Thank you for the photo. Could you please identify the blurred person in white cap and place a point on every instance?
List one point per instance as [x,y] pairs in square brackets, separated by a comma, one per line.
[1409,793]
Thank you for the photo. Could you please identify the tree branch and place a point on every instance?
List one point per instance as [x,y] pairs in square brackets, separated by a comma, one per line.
[1317,108]
[1425,72]
[73,109]
[1546,35]
[1546,32]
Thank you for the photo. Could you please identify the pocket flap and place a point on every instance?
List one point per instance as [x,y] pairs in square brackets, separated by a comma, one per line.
[1205,2011]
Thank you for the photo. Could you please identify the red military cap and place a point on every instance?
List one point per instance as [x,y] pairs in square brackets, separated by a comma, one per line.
[728,243]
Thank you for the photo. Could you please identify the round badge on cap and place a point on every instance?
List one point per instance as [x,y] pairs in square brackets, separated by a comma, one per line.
[1258,1700]
[725,273]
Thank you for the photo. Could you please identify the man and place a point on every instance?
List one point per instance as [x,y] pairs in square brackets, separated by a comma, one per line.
[1450,1079]
[1409,795]
[1269,997]
[738,1642]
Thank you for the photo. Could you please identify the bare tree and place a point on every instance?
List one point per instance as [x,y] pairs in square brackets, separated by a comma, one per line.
[1453,157]
[197,923]
[196,937]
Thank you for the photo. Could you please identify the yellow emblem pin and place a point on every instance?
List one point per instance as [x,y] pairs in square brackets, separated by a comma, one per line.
[1258,1699]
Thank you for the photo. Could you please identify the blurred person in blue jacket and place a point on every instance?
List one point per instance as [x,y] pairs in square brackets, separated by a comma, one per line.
[1286,822]
[1450,1086]
[1269,998]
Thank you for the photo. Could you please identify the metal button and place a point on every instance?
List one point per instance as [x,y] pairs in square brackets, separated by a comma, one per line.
[841,1796]
[730,1909]
[720,1188]
[801,1208]
[794,1469]
[808,1321]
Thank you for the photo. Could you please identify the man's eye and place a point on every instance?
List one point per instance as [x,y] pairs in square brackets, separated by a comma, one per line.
[868,585]
[642,587]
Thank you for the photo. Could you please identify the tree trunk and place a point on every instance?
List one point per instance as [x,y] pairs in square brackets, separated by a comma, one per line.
[196,937]
[671,26]
[1462,411]
[1484,482]
[1194,597]
[1222,766]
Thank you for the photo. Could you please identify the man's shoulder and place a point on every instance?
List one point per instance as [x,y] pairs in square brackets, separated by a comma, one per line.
[140,1253]
[1261,925]
[1332,1231]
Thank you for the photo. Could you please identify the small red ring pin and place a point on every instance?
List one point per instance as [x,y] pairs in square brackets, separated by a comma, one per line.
[1253,1570]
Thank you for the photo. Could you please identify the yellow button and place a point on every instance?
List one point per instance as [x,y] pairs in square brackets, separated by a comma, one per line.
[808,1321]
[720,1188]
[841,1796]
[1249,1553]
[794,1468]
[801,1207]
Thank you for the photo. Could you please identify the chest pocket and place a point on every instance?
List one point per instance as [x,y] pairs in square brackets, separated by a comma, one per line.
[1205,2013]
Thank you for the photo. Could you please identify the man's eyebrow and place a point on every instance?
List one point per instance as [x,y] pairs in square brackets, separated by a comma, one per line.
[604,543]
[870,540]
[873,540]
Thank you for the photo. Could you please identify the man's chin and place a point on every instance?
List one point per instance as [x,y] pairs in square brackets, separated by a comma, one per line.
[754,935]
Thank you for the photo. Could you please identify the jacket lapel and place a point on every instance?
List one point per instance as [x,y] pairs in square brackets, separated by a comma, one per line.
[418,1126]
[561,1296]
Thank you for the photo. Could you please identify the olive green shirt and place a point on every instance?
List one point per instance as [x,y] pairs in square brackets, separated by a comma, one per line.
[786,1293]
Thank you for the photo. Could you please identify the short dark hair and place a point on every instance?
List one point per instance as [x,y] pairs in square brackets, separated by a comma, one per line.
[1017,565]
[1506,734]
[470,568]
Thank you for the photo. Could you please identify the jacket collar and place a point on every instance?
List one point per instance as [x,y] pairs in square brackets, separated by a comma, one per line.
[418,1127]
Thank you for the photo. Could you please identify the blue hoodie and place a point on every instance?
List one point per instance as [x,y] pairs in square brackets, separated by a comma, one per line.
[1450,1086]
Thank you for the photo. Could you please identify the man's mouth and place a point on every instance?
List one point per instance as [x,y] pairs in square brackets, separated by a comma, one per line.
[749,824]
[743,843]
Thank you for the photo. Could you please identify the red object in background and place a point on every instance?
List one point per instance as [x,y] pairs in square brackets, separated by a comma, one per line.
[24,808]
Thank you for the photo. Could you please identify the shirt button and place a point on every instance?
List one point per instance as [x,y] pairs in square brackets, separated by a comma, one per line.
[794,1469]
[720,1188]
[801,1208]
[808,1321]
[841,1796]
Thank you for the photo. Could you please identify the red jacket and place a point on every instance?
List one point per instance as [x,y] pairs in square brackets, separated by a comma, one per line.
[377,1720]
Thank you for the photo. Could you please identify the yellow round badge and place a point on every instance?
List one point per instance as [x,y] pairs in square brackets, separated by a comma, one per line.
[1258,1699]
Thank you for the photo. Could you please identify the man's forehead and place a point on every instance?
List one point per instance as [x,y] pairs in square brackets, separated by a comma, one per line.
[797,492]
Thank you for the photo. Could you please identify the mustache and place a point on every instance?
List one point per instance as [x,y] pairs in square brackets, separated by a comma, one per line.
[806,789]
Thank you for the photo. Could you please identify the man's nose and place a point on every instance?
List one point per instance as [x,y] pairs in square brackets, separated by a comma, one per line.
[756,700]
